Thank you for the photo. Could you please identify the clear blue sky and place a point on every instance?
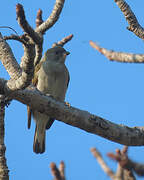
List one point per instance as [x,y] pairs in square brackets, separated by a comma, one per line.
[109,89]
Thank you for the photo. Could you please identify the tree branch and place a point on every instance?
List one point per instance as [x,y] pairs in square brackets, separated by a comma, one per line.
[58,173]
[122,158]
[124,169]
[63,41]
[79,118]
[39,19]
[4,172]
[103,165]
[62,170]
[119,56]
[20,79]
[25,26]
[15,37]
[52,18]
[134,26]
[124,163]
[8,60]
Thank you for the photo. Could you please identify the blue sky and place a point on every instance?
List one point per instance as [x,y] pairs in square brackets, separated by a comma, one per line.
[109,89]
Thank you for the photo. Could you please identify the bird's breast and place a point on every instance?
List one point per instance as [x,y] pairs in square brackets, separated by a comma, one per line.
[53,80]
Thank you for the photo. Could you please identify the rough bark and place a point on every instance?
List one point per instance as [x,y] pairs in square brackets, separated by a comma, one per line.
[4,172]
[81,119]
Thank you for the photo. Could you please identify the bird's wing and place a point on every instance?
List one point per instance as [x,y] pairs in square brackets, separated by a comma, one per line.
[34,82]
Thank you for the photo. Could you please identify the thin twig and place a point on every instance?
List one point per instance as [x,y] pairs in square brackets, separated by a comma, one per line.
[119,56]
[62,170]
[102,163]
[55,172]
[122,158]
[63,41]
[39,19]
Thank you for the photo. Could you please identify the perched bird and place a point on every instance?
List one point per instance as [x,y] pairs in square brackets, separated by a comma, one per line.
[52,78]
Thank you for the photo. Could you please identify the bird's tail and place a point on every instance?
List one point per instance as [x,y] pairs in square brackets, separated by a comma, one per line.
[39,140]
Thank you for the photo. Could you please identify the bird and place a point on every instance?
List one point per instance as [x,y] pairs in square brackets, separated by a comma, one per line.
[51,77]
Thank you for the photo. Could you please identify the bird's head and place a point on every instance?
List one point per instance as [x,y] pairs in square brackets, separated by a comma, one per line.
[56,54]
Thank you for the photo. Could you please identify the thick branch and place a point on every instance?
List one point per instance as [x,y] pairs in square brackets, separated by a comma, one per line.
[78,118]
[119,56]
[52,18]
[81,119]
[134,26]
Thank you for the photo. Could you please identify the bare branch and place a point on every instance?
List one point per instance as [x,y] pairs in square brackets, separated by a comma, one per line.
[25,26]
[63,41]
[39,19]
[15,37]
[19,79]
[8,60]
[124,162]
[134,26]
[119,175]
[103,165]
[4,172]
[56,172]
[38,56]
[119,56]
[123,171]
[81,119]
[122,158]
[52,18]
[62,170]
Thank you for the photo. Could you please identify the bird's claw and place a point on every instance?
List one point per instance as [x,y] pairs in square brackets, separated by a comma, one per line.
[68,104]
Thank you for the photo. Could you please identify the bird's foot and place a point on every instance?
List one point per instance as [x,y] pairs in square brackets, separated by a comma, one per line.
[68,104]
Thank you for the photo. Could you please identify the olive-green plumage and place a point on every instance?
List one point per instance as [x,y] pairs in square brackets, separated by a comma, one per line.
[51,77]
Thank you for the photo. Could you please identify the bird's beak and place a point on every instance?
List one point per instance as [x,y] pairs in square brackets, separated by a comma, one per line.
[67,53]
